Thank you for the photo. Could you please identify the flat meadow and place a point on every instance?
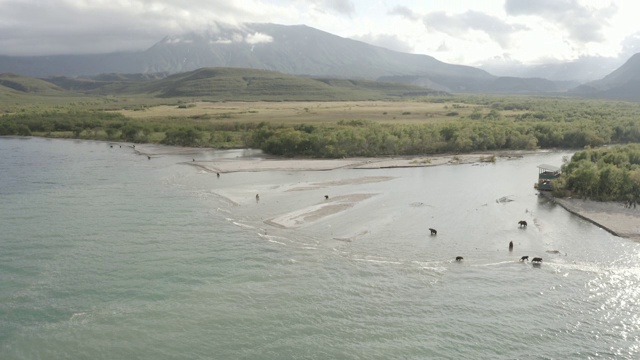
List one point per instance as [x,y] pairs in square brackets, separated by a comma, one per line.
[308,112]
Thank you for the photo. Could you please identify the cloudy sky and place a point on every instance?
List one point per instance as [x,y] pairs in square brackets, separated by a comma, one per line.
[471,32]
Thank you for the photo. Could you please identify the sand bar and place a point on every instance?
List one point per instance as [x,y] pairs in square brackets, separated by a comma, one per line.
[297,164]
[316,212]
[611,216]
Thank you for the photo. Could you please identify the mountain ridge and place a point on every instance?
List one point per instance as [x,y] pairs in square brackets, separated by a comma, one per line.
[305,51]
[297,50]
[623,83]
[216,84]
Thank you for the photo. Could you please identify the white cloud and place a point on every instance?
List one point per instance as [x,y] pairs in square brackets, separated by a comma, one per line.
[341,7]
[220,41]
[258,38]
[404,12]
[527,30]
[388,41]
[460,24]
[631,45]
[582,22]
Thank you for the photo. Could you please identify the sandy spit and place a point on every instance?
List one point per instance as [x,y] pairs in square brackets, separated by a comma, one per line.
[267,164]
[611,216]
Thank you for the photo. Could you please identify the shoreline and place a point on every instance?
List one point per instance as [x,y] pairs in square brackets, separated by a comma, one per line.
[257,164]
[610,216]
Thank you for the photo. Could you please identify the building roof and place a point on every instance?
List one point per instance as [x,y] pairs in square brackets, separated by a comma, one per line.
[548,167]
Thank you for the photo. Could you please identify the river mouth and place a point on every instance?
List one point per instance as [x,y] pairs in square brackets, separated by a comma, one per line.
[106,252]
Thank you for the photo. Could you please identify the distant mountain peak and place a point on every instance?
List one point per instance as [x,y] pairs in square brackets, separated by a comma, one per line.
[220,35]
[623,83]
[291,49]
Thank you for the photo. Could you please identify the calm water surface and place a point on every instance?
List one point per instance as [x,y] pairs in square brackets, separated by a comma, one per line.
[107,255]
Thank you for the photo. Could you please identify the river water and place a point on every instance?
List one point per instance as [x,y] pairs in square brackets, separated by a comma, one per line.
[105,254]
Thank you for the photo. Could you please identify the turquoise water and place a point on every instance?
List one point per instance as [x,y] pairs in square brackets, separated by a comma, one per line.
[105,254]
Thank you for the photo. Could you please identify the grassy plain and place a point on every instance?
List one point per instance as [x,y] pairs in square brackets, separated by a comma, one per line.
[295,116]
[308,112]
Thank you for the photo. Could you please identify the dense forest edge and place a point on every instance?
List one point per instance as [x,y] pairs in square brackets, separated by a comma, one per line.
[496,123]
[609,173]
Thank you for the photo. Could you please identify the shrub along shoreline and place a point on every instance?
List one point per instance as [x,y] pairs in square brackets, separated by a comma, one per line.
[334,140]
[603,174]
[485,123]
[607,170]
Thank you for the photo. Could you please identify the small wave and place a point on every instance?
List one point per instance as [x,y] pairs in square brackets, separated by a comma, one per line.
[426,263]
[227,211]
[242,225]
[276,242]
[435,269]
[342,239]
[379,261]
[431,266]
[496,263]
[308,244]
[579,267]
[78,317]
[271,239]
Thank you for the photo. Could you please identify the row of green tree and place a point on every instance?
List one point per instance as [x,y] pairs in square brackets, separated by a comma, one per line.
[606,174]
[497,123]
[111,126]
[361,138]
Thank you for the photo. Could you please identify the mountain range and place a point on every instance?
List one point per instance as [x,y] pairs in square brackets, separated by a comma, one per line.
[623,83]
[213,84]
[304,51]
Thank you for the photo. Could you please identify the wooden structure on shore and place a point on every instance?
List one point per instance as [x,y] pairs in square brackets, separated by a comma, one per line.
[546,175]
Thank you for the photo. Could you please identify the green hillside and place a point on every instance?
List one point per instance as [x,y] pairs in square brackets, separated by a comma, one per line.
[22,84]
[250,85]
[237,84]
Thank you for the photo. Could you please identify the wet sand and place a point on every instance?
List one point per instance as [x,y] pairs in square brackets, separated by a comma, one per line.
[611,216]
[333,206]
[268,164]
[316,212]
